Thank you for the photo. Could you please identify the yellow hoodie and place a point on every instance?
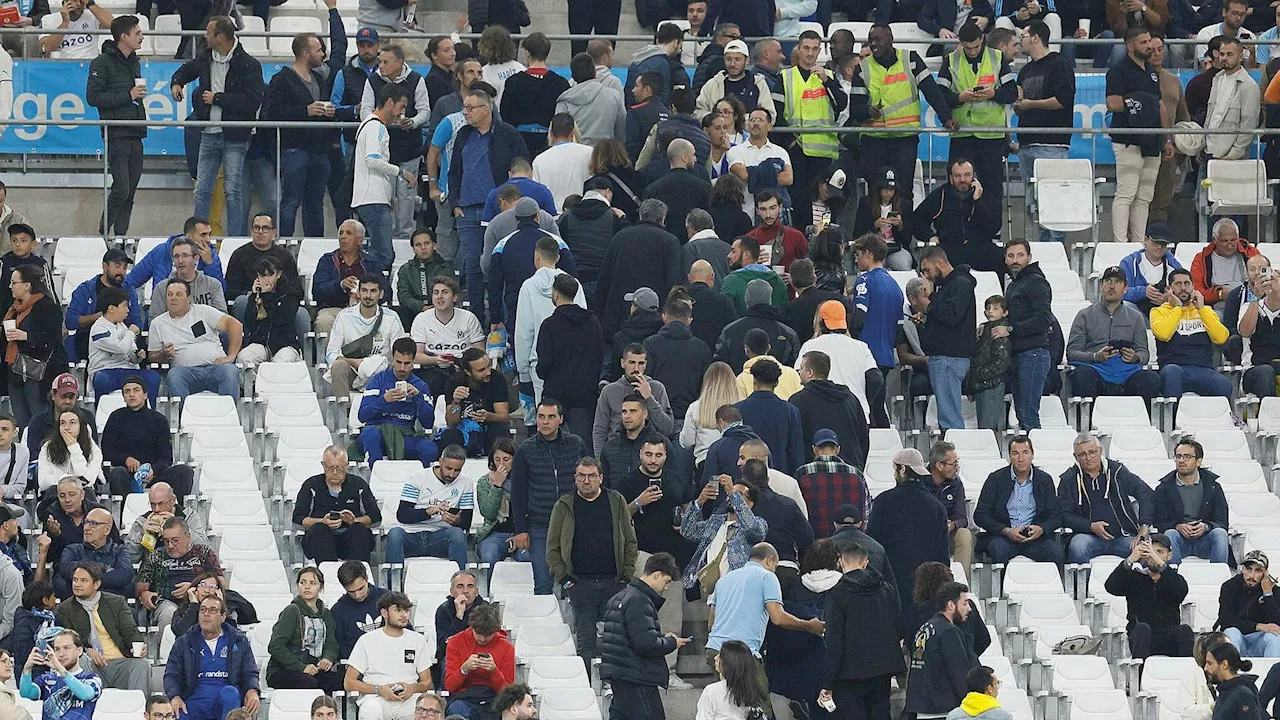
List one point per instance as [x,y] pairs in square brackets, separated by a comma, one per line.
[975,704]
[788,384]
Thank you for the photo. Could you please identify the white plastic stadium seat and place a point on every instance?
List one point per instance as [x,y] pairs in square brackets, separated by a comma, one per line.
[1119,413]
[1163,676]
[1052,256]
[1238,186]
[207,410]
[1204,577]
[1223,444]
[1048,637]
[271,378]
[218,443]
[1107,255]
[510,580]
[968,411]
[549,672]
[228,474]
[532,610]
[569,704]
[1151,471]
[116,704]
[1025,577]
[284,411]
[1239,476]
[79,252]
[248,544]
[292,704]
[255,46]
[228,246]
[135,505]
[235,510]
[166,46]
[884,442]
[1089,673]
[973,443]
[1253,510]
[1065,284]
[108,404]
[428,577]
[302,443]
[1059,441]
[310,250]
[1052,415]
[1015,702]
[1066,195]
[72,278]
[259,577]
[544,641]
[1204,413]
[288,25]
[1040,611]
[1100,705]
[909,36]
[1139,443]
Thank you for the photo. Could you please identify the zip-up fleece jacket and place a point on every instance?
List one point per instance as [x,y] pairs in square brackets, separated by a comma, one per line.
[1243,607]
[241,98]
[84,301]
[1185,335]
[111,77]
[512,264]
[951,317]
[1030,301]
[1120,484]
[183,668]
[1137,282]
[1168,503]
[314,499]
[1202,269]
[560,536]
[1096,326]
[541,472]
[374,410]
[285,646]
[157,266]
[734,286]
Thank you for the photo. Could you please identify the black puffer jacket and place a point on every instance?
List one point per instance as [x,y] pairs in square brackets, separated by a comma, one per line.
[588,228]
[634,649]
[541,472]
[111,77]
[783,343]
[952,315]
[678,360]
[1030,301]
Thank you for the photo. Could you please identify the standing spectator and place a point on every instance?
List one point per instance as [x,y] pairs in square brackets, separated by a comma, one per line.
[620,455]
[30,619]
[588,228]
[1186,329]
[746,265]
[643,322]
[22,238]
[304,643]
[1175,108]
[1247,610]
[443,332]
[739,81]
[781,340]
[1153,592]
[356,612]
[704,243]
[608,418]
[34,351]
[802,311]
[567,346]
[945,484]
[70,692]
[205,290]
[389,665]
[478,663]
[989,366]
[538,298]
[1097,499]
[1223,667]
[376,178]
[1220,267]
[1047,85]
[184,337]
[1133,98]
[634,646]
[787,527]
[113,89]
[813,98]
[493,500]
[102,549]
[677,359]
[1233,103]
[644,255]
[529,97]
[403,129]
[82,309]
[757,347]
[701,430]
[113,346]
[747,599]
[645,109]
[336,279]
[680,189]
[433,511]
[948,315]
[826,404]
[563,167]
[1029,299]
[443,55]
[440,150]
[662,58]
[828,482]
[596,107]
[777,421]
[361,332]
[415,280]
[498,51]
[880,299]
[912,530]
[514,260]
[1147,270]
[979,85]
[1107,344]
[229,88]
[136,436]
[942,655]
[336,511]
[853,365]
[780,244]
[983,698]
[541,460]
[732,519]
[169,571]
[104,619]
[70,451]
[1191,507]
[962,219]
[270,321]
[1019,508]
[715,311]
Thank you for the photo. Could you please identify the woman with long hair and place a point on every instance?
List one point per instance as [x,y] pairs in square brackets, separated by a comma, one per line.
[609,160]
[1195,694]
[882,213]
[69,450]
[827,253]
[304,640]
[850,357]
[33,348]
[1237,690]
[493,500]
[730,106]
[741,693]
[269,332]
[719,388]
[498,51]
[728,198]
[929,577]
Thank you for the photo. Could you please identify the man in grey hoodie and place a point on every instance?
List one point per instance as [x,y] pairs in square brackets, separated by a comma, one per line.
[10,594]
[601,52]
[1107,345]
[596,108]
[204,289]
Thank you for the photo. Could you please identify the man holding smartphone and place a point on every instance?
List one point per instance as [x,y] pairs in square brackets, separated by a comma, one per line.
[1190,507]
[67,691]
[1154,593]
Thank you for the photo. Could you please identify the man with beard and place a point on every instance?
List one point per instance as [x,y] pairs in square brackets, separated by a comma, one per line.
[961,219]
[620,455]
[1153,594]
[82,309]
[745,266]
[1186,329]
[785,244]
[1030,299]
[1248,612]
[941,655]
[1233,105]
[735,80]
[1133,98]
[979,86]
[946,335]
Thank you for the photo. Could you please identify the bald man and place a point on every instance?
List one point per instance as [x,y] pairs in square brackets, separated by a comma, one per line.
[681,188]
[712,311]
[98,547]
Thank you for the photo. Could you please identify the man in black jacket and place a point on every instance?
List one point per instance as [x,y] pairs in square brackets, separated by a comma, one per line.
[1154,593]
[336,492]
[789,531]
[643,322]
[1191,508]
[569,345]
[641,256]
[862,638]
[800,312]
[230,88]
[135,435]
[1248,612]
[1097,498]
[113,89]
[824,404]
[910,524]
[783,343]
[712,311]
[677,359]
[588,227]
[945,484]
[1019,510]
[633,648]
[681,187]
[848,525]
[941,655]
[1030,302]
[961,219]
[947,336]
[620,455]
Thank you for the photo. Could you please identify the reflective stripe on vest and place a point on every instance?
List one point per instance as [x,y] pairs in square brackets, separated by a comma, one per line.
[963,77]
[807,105]
[894,90]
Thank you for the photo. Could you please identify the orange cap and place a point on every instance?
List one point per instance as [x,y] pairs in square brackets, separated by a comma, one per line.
[832,314]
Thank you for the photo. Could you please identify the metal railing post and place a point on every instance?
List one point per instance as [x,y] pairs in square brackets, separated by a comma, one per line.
[106,186]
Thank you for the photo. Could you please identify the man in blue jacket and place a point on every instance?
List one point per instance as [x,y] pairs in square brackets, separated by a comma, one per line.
[98,547]
[203,682]
[394,400]
[158,264]
[512,263]
[82,309]
[1146,271]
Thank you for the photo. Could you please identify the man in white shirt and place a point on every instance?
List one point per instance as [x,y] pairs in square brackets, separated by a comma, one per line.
[389,666]
[443,333]
[434,513]
[563,166]
[1233,14]
[187,337]
[71,38]
[538,299]
[1234,104]
[364,318]
[405,129]
[375,175]
[757,150]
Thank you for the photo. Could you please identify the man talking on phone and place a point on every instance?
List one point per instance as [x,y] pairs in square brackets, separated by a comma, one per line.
[1248,612]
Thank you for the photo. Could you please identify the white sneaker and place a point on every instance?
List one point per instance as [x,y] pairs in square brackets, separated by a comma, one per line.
[675,682]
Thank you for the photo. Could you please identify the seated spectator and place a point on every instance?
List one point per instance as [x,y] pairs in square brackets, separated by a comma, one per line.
[705,568]
[825,404]
[1153,592]
[336,510]
[390,665]
[479,662]
[493,499]
[8,695]
[270,328]
[416,279]
[608,419]
[1258,324]
[363,333]
[1247,609]
[620,455]
[1097,497]
[13,544]
[64,685]
[776,421]
[187,337]
[1250,291]
[356,612]
[880,213]
[1186,330]
[204,290]
[34,342]
[70,451]
[64,522]
[22,240]
[852,364]
[113,346]
[1107,345]
[956,217]
[164,505]
[642,323]
[338,275]
[745,266]
[757,348]
[568,342]
[243,266]
[64,395]
[1219,267]
[157,265]
[443,332]
[1191,508]
[206,585]
[760,315]
[434,513]
[723,454]
[210,694]
[30,620]
[115,646]
[304,646]
[1146,271]
[136,438]
[395,402]
[169,571]
[477,410]
[700,430]
[11,584]
[84,308]
[1019,510]
[111,560]
[454,614]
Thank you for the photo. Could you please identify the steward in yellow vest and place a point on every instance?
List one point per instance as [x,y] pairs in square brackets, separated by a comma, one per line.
[812,97]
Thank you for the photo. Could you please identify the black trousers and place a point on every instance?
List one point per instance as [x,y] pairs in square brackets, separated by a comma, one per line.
[589,598]
[1145,641]
[324,545]
[179,477]
[635,702]
[862,699]
[588,17]
[896,153]
[987,156]
[330,682]
[124,162]
[804,169]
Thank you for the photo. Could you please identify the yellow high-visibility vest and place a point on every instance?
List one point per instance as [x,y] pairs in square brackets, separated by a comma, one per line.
[808,105]
[986,113]
[894,90]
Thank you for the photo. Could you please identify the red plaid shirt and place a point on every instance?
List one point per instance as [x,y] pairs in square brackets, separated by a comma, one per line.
[827,483]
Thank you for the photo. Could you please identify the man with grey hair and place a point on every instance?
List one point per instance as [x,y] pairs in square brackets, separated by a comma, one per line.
[204,289]
[643,255]
[767,60]
[945,484]
[336,511]
[1219,267]
[1097,497]
[704,244]
[680,188]
[336,280]
[907,341]
[164,505]
[454,614]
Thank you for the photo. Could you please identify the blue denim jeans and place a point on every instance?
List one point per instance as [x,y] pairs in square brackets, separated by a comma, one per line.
[946,374]
[1087,546]
[1027,156]
[493,549]
[538,554]
[260,178]
[217,153]
[221,379]
[1177,379]
[377,221]
[304,176]
[1032,368]
[1255,644]
[470,245]
[450,542]
[1212,545]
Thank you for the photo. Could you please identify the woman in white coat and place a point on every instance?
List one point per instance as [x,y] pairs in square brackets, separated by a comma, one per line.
[69,450]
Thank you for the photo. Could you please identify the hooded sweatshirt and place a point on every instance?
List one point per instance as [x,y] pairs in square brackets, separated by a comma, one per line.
[862,636]
[569,345]
[302,637]
[825,404]
[653,58]
[533,306]
[979,705]
[679,360]
[597,109]
[734,285]
[204,291]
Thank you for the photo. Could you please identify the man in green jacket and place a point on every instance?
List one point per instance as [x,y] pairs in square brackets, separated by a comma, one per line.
[591,551]
[115,656]
[413,279]
[744,264]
